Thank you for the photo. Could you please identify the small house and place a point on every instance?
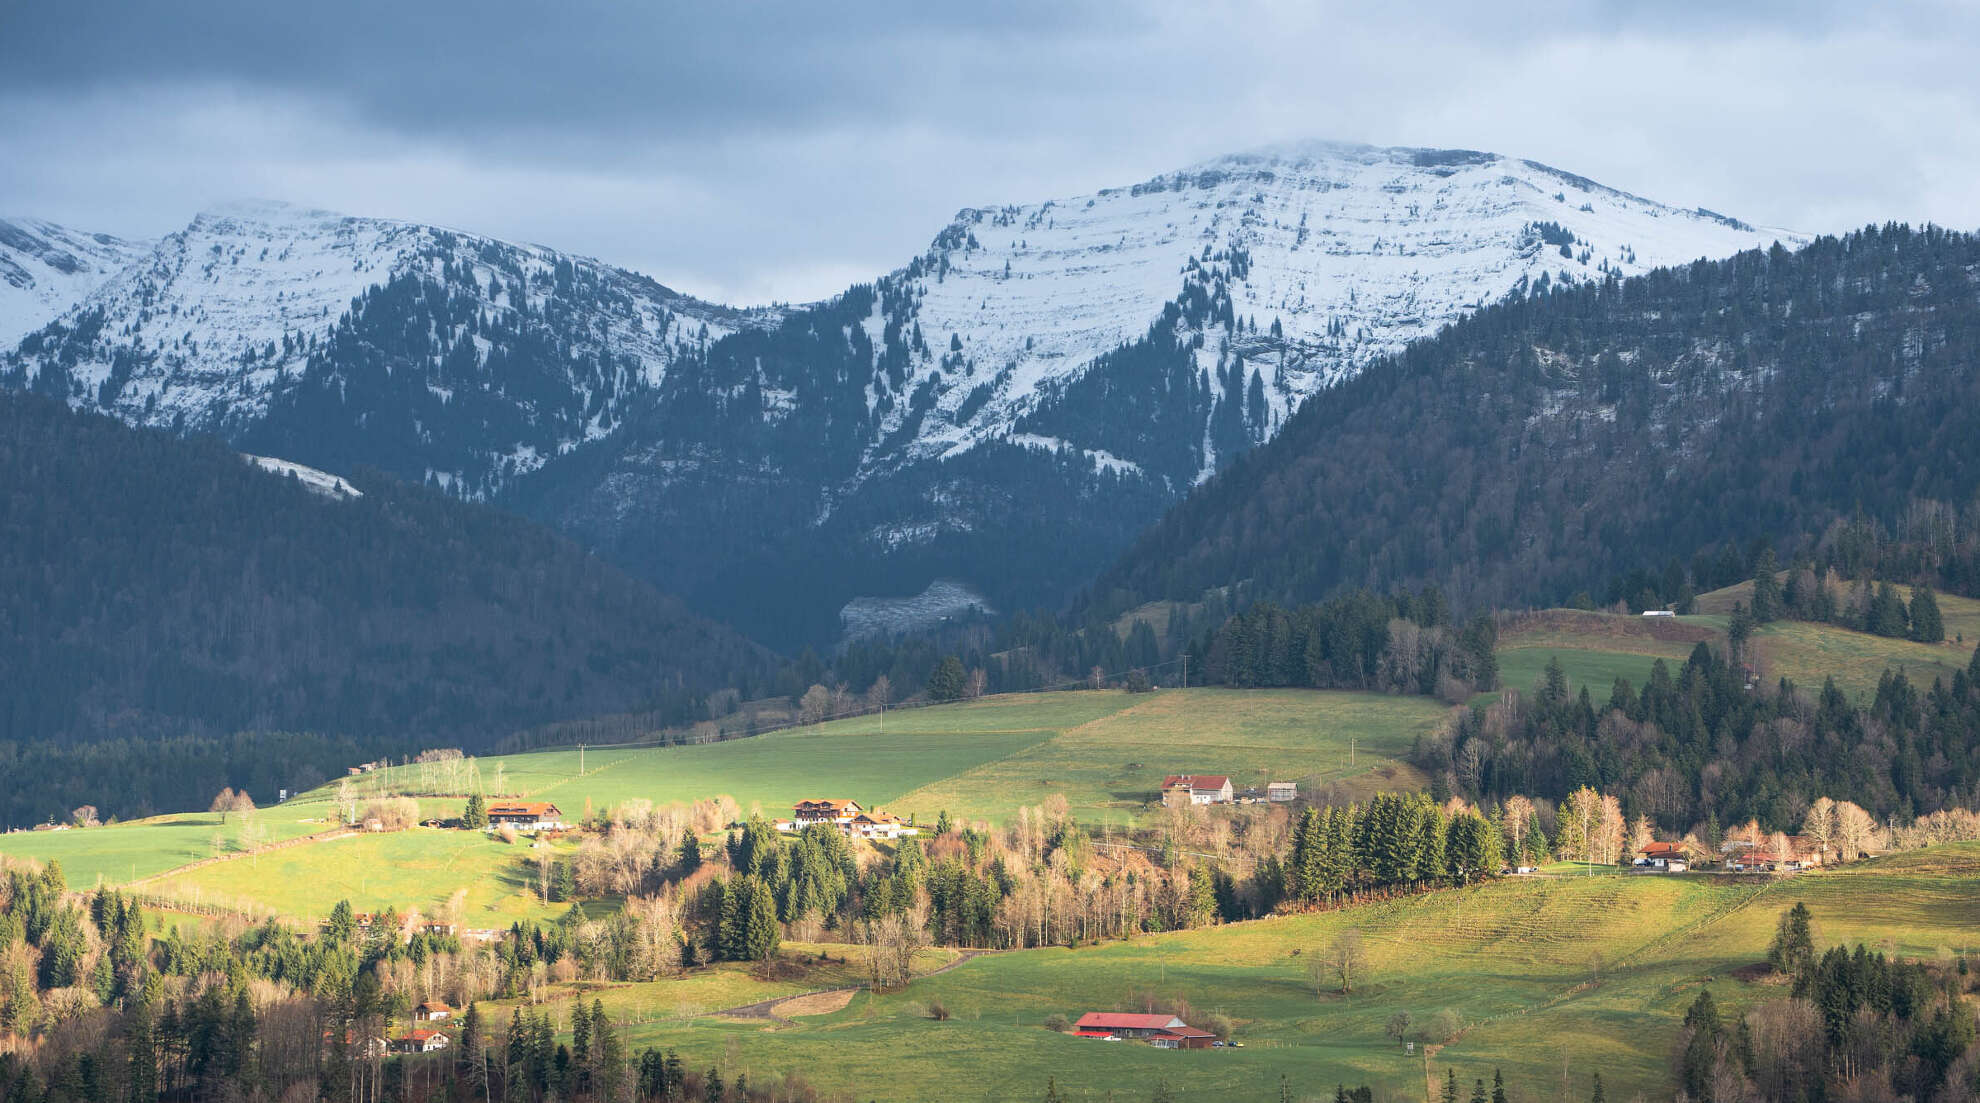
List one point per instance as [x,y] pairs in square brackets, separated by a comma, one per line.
[1663,858]
[879,825]
[1181,789]
[526,815]
[419,1041]
[433,1011]
[1281,792]
[1753,860]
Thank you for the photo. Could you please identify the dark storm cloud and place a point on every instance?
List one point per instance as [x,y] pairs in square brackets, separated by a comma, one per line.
[587,66]
[752,150]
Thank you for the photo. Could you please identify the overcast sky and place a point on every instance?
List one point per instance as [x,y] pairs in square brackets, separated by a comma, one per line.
[748,151]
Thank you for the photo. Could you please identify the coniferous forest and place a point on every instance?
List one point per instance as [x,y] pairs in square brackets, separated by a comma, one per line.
[159,596]
[1553,442]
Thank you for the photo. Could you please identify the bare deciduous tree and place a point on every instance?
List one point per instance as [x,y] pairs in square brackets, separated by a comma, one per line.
[1344,962]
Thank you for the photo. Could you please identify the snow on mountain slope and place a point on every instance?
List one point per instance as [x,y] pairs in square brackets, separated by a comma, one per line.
[257,308]
[1004,411]
[1350,251]
[322,482]
[45,269]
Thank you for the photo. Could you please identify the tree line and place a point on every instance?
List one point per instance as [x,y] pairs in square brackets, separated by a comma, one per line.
[1696,749]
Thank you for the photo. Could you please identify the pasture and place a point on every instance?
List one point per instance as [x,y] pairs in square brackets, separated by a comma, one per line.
[1105,751]
[1552,979]
[421,867]
[120,853]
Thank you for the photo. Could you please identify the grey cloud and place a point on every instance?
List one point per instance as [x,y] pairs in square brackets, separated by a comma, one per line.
[754,150]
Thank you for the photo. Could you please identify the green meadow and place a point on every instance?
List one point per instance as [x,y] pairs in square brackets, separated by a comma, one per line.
[1105,751]
[1551,978]
[421,867]
[123,852]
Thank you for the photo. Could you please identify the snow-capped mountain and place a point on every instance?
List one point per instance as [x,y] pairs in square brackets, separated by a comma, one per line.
[1009,408]
[45,269]
[442,356]
[1004,411]
[1326,255]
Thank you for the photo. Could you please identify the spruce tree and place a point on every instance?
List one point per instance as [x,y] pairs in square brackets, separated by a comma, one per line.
[1926,624]
[760,935]
[1766,589]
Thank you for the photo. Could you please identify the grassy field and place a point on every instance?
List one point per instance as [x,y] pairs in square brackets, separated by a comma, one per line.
[1806,652]
[123,852]
[1596,648]
[1551,977]
[1105,751]
[420,868]
[1111,768]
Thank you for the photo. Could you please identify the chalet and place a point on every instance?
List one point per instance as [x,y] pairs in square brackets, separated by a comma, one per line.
[837,812]
[1162,1031]
[1663,858]
[1181,789]
[419,1041]
[879,825]
[1279,792]
[852,820]
[433,1011]
[526,815]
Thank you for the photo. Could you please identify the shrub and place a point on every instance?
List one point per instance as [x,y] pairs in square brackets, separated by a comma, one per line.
[1058,1023]
[1443,1026]
[938,1011]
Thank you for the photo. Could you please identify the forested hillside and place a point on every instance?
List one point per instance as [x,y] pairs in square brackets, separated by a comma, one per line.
[152,587]
[1547,444]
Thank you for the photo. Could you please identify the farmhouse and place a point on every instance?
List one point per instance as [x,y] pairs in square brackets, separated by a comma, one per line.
[880,825]
[1663,858]
[526,815]
[419,1041]
[838,812]
[1181,789]
[846,815]
[1161,1031]
[433,1011]
[1756,860]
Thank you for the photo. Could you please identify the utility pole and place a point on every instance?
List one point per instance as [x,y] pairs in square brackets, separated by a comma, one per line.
[580,760]
[1350,752]
[1185,670]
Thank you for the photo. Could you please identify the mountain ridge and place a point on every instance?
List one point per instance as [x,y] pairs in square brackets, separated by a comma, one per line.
[1019,398]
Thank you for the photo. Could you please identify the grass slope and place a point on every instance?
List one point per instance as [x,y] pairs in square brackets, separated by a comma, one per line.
[136,849]
[1581,974]
[1105,751]
[1596,648]
[420,868]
